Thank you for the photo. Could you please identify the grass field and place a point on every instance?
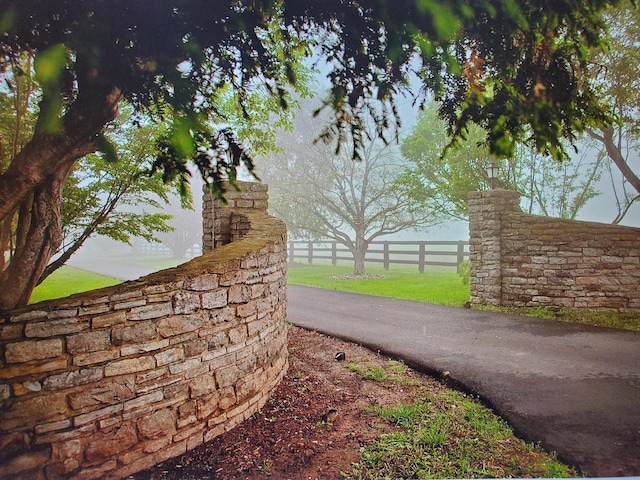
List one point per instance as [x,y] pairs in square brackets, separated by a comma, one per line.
[441,286]
[437,285]
[67,281]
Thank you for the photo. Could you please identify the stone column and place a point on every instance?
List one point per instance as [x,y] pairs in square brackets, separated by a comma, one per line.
[207,220]
[486,210]
[217,215]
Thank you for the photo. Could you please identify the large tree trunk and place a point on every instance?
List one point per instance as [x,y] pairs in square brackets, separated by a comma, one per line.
[42,157]
[359,254]
[32,186]
[6,238]
[40,234]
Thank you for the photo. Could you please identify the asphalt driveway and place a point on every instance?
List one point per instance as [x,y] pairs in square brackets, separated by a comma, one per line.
[573,388]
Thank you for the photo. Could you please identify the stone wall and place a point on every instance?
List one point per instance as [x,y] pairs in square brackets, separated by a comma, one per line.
[528,260]
[217,222]
[107,383]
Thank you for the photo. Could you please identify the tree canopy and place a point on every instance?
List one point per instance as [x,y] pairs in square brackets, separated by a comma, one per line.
[114,199]
[441,182]
[323,194]
[514,67]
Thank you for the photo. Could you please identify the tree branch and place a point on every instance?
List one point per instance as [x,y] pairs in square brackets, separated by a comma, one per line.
[615,155]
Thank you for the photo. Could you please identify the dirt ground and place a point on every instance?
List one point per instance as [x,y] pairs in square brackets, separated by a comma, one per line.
[317,420]
[298,434]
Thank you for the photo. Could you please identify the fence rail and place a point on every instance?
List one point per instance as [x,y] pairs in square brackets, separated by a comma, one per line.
[420,253]
[154,248]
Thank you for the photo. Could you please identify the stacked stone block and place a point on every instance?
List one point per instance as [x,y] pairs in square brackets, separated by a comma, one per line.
[485,243]
[531,261]
[104,384]
[217,220]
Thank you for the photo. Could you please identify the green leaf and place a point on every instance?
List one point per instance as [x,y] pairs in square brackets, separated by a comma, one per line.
[7,21]
[107,148]
[49,65]
[181,138]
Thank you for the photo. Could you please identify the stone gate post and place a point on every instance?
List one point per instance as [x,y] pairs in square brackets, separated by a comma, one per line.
[486,210]
[217,215]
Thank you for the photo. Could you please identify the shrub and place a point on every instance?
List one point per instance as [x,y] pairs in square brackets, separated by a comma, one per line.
[464,270]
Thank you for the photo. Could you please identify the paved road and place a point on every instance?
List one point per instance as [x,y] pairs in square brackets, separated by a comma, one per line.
[573,388]
[103,265]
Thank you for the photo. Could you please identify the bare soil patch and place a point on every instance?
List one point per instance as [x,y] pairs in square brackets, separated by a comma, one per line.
[299,434]
[290,437]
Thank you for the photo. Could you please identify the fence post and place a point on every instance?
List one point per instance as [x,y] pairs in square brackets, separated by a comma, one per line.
[421,257]
[386,256]
[310,253]
[334,253]
[460,256]
[292,252]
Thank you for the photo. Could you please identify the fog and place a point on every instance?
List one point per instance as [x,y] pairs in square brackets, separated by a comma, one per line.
[600,209]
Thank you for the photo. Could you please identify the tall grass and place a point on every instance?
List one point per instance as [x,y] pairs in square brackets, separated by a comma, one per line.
[441,286]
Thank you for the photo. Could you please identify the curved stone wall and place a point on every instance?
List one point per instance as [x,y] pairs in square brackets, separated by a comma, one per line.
[104,384]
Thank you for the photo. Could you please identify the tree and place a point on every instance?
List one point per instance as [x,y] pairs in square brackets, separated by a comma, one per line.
[17,104]
[615,70]
[324,194]
[511,66]
[105,197]
[440,178]
[113,198]
[555,189]
[95,188]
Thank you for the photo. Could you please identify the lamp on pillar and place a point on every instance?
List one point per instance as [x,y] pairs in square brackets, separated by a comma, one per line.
[492,173]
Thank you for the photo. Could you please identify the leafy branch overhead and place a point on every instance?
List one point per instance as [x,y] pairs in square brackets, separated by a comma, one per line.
[441,182]
[511,66]
[514,67]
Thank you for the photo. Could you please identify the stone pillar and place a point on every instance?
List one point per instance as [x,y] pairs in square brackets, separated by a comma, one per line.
[486,210]
[207,220]
[217,215]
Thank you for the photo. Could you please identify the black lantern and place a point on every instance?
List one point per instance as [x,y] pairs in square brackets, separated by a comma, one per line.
[492,173]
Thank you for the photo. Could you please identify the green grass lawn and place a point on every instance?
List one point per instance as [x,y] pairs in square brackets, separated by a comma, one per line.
[441,286]
[67,281]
